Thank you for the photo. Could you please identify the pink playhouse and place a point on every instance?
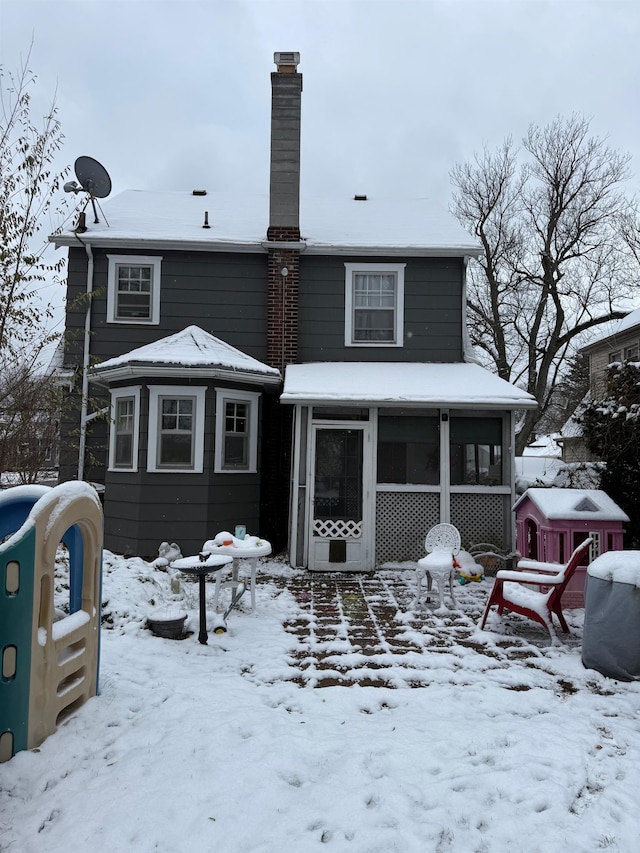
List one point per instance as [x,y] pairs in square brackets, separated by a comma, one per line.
[550,523]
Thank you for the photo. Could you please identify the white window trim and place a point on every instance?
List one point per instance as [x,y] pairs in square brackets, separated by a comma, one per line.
[155,262]
[117,394]
[156,392]
[252,398]
[350,269]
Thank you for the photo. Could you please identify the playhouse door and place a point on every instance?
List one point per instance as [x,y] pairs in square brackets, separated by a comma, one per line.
[339,536]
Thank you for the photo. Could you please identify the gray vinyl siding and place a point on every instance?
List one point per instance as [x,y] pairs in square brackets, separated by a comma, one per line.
[139,515]
[143,509]
[432,311]
[224,294]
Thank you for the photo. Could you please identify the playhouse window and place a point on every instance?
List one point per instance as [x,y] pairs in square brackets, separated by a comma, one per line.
[408,449]
[176,429]
[133,289]
[123,444]
[374,305]
[236,443]
[476,451]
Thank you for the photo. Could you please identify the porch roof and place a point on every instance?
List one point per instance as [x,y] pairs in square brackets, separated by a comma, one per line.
[454,386]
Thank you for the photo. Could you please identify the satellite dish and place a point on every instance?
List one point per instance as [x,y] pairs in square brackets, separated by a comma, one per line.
[94,179]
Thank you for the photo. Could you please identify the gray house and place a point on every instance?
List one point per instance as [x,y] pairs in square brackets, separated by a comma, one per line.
[619,342]
[294,364]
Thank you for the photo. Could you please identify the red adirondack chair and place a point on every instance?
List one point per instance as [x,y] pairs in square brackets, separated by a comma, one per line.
[513,590]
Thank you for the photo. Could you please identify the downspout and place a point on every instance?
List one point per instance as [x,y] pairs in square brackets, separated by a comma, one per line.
[85,365]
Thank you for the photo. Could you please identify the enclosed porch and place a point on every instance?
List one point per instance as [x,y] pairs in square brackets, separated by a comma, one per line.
[382,452]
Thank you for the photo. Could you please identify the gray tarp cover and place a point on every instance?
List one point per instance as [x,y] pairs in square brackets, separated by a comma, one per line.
[611,637]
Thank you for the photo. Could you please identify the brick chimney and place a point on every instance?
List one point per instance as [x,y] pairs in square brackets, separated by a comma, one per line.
[283,235]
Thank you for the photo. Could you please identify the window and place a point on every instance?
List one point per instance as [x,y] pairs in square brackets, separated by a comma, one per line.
[236,449]
[631,353]
[123,439]
[176,429]
[374,305]
[614,357]
[476,451]
[133,289]
[408,449]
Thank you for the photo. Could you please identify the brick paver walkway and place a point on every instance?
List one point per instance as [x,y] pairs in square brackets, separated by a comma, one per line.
[363,629]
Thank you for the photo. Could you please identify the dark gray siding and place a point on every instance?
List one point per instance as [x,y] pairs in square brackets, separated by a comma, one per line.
[224,294]
[143,509]
[432,311]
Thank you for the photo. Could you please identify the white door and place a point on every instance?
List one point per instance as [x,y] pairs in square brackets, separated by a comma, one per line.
[340,533]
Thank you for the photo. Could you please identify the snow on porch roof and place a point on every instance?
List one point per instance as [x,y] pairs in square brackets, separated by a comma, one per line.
[192,350]
[574,504]
[382,383]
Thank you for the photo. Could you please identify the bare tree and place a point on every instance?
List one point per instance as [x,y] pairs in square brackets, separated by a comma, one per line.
[555,262]
[29,423]
[30,208]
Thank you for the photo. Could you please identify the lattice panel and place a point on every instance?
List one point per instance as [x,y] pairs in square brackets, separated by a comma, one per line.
[337,529]
[481,518]
[402,521]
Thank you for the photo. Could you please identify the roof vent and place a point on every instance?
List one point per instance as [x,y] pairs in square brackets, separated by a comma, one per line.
[287,62]
[359,198]
[198,192]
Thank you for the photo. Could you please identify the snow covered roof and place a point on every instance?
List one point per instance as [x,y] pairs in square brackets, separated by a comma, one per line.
[451,385]
[614,328]
[579,504]
[544,445]
[203,354]
[145,219]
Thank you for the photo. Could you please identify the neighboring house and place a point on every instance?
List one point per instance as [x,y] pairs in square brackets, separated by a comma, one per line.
[620,342]
[540,463]
[300,366]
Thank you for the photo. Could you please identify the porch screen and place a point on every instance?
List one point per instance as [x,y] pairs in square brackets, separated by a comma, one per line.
[476,451]
[408,449]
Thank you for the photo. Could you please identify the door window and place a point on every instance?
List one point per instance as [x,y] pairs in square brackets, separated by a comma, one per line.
[338,476]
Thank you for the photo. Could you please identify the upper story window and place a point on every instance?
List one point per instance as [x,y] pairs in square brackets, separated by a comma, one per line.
[176,429]
[631,352]
[133,289]
[614,357]
[374,305]
[236,444]
[123,439]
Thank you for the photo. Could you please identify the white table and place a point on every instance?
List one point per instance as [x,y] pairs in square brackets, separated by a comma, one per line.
[250,548]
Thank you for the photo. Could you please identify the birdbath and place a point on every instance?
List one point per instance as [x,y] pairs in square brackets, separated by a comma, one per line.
[197,566]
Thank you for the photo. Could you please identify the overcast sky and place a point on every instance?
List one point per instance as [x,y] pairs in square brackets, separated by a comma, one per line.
[176,95]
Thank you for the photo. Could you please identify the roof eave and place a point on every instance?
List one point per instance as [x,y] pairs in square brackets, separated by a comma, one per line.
[402,251]
[496,405]
[107,241]
[102,240]
[181,371]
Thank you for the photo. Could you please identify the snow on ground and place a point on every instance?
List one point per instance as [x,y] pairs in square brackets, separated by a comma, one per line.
[493,742]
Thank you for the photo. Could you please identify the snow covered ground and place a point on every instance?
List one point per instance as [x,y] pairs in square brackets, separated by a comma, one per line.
[481,741]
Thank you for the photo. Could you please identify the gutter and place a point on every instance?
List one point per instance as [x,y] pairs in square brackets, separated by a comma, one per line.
[148,244]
